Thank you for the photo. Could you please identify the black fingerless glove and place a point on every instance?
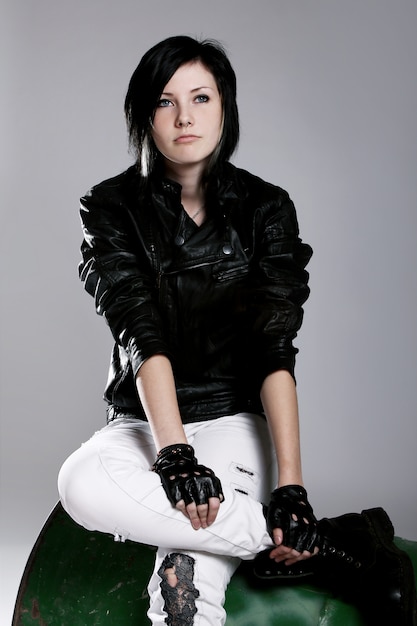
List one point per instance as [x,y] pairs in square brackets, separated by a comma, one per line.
[183,478]
[290,510]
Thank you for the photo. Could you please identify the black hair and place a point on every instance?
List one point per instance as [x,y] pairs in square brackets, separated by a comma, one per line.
[155,69]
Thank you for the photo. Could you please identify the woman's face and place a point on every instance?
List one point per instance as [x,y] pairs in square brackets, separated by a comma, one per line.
[188,120]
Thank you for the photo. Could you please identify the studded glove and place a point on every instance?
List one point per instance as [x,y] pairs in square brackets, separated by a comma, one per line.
[290,510]
[183,478]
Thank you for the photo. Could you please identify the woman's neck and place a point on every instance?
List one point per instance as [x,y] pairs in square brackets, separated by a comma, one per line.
[192,190]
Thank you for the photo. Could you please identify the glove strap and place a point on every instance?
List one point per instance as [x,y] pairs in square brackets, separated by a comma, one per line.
[172,454]
[293,491]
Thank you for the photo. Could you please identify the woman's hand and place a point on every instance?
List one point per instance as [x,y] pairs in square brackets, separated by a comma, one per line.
[292,525]
[192,488]
[202,515]
[286,554]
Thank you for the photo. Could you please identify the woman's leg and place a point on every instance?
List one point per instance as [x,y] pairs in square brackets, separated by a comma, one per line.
[239,450]
[107,485]
[188,587]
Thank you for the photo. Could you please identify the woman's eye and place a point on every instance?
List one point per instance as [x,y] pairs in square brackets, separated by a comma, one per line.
[164,103]
[202,98]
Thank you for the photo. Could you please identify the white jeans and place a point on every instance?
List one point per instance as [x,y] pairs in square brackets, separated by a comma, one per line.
[107,485]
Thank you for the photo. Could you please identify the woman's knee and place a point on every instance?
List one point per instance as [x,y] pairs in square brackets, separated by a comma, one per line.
[76,485]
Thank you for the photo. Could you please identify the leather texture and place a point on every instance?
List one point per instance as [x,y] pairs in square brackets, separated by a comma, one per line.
[290,510]
[183,478]
[360,562]
[223,300]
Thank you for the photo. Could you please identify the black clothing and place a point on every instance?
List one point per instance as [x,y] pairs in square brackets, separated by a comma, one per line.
[223,301]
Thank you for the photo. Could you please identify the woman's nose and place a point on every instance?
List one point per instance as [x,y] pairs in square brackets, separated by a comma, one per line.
[184,118]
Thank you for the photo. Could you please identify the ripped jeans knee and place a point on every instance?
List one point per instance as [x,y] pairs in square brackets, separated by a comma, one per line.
[178,590]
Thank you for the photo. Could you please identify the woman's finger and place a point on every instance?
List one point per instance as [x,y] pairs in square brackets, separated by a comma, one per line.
[214,506]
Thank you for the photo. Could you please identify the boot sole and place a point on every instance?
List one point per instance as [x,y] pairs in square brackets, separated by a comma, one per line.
[265,568]
[380,525]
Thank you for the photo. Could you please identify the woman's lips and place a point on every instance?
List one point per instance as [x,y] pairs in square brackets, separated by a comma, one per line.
[186,138]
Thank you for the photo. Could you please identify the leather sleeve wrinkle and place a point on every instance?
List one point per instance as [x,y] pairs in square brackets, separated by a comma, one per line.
[280,290]
[123,290]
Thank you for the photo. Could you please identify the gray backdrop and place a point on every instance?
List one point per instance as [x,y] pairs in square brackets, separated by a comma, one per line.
[328,101]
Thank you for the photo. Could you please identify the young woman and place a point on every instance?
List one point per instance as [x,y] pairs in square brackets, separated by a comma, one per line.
[199,271]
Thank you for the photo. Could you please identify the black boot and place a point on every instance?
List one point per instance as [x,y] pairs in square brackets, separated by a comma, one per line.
[359,561]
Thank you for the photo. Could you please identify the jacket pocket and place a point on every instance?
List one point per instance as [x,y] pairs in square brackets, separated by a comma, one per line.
[232,273]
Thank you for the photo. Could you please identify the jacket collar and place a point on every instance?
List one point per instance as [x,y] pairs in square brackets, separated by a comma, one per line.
[223,188]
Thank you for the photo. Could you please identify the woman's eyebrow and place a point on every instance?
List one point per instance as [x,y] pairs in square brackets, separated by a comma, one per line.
[169,93]
[202,87]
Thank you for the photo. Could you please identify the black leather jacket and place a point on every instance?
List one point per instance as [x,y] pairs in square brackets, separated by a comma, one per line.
[223,301]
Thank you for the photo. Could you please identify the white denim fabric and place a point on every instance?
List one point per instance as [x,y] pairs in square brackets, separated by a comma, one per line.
[107,485]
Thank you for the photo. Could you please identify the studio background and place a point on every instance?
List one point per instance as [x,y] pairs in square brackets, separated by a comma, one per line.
[327,94]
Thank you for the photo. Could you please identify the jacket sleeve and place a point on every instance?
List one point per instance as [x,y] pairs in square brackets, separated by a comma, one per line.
[280,287]
[121,282]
